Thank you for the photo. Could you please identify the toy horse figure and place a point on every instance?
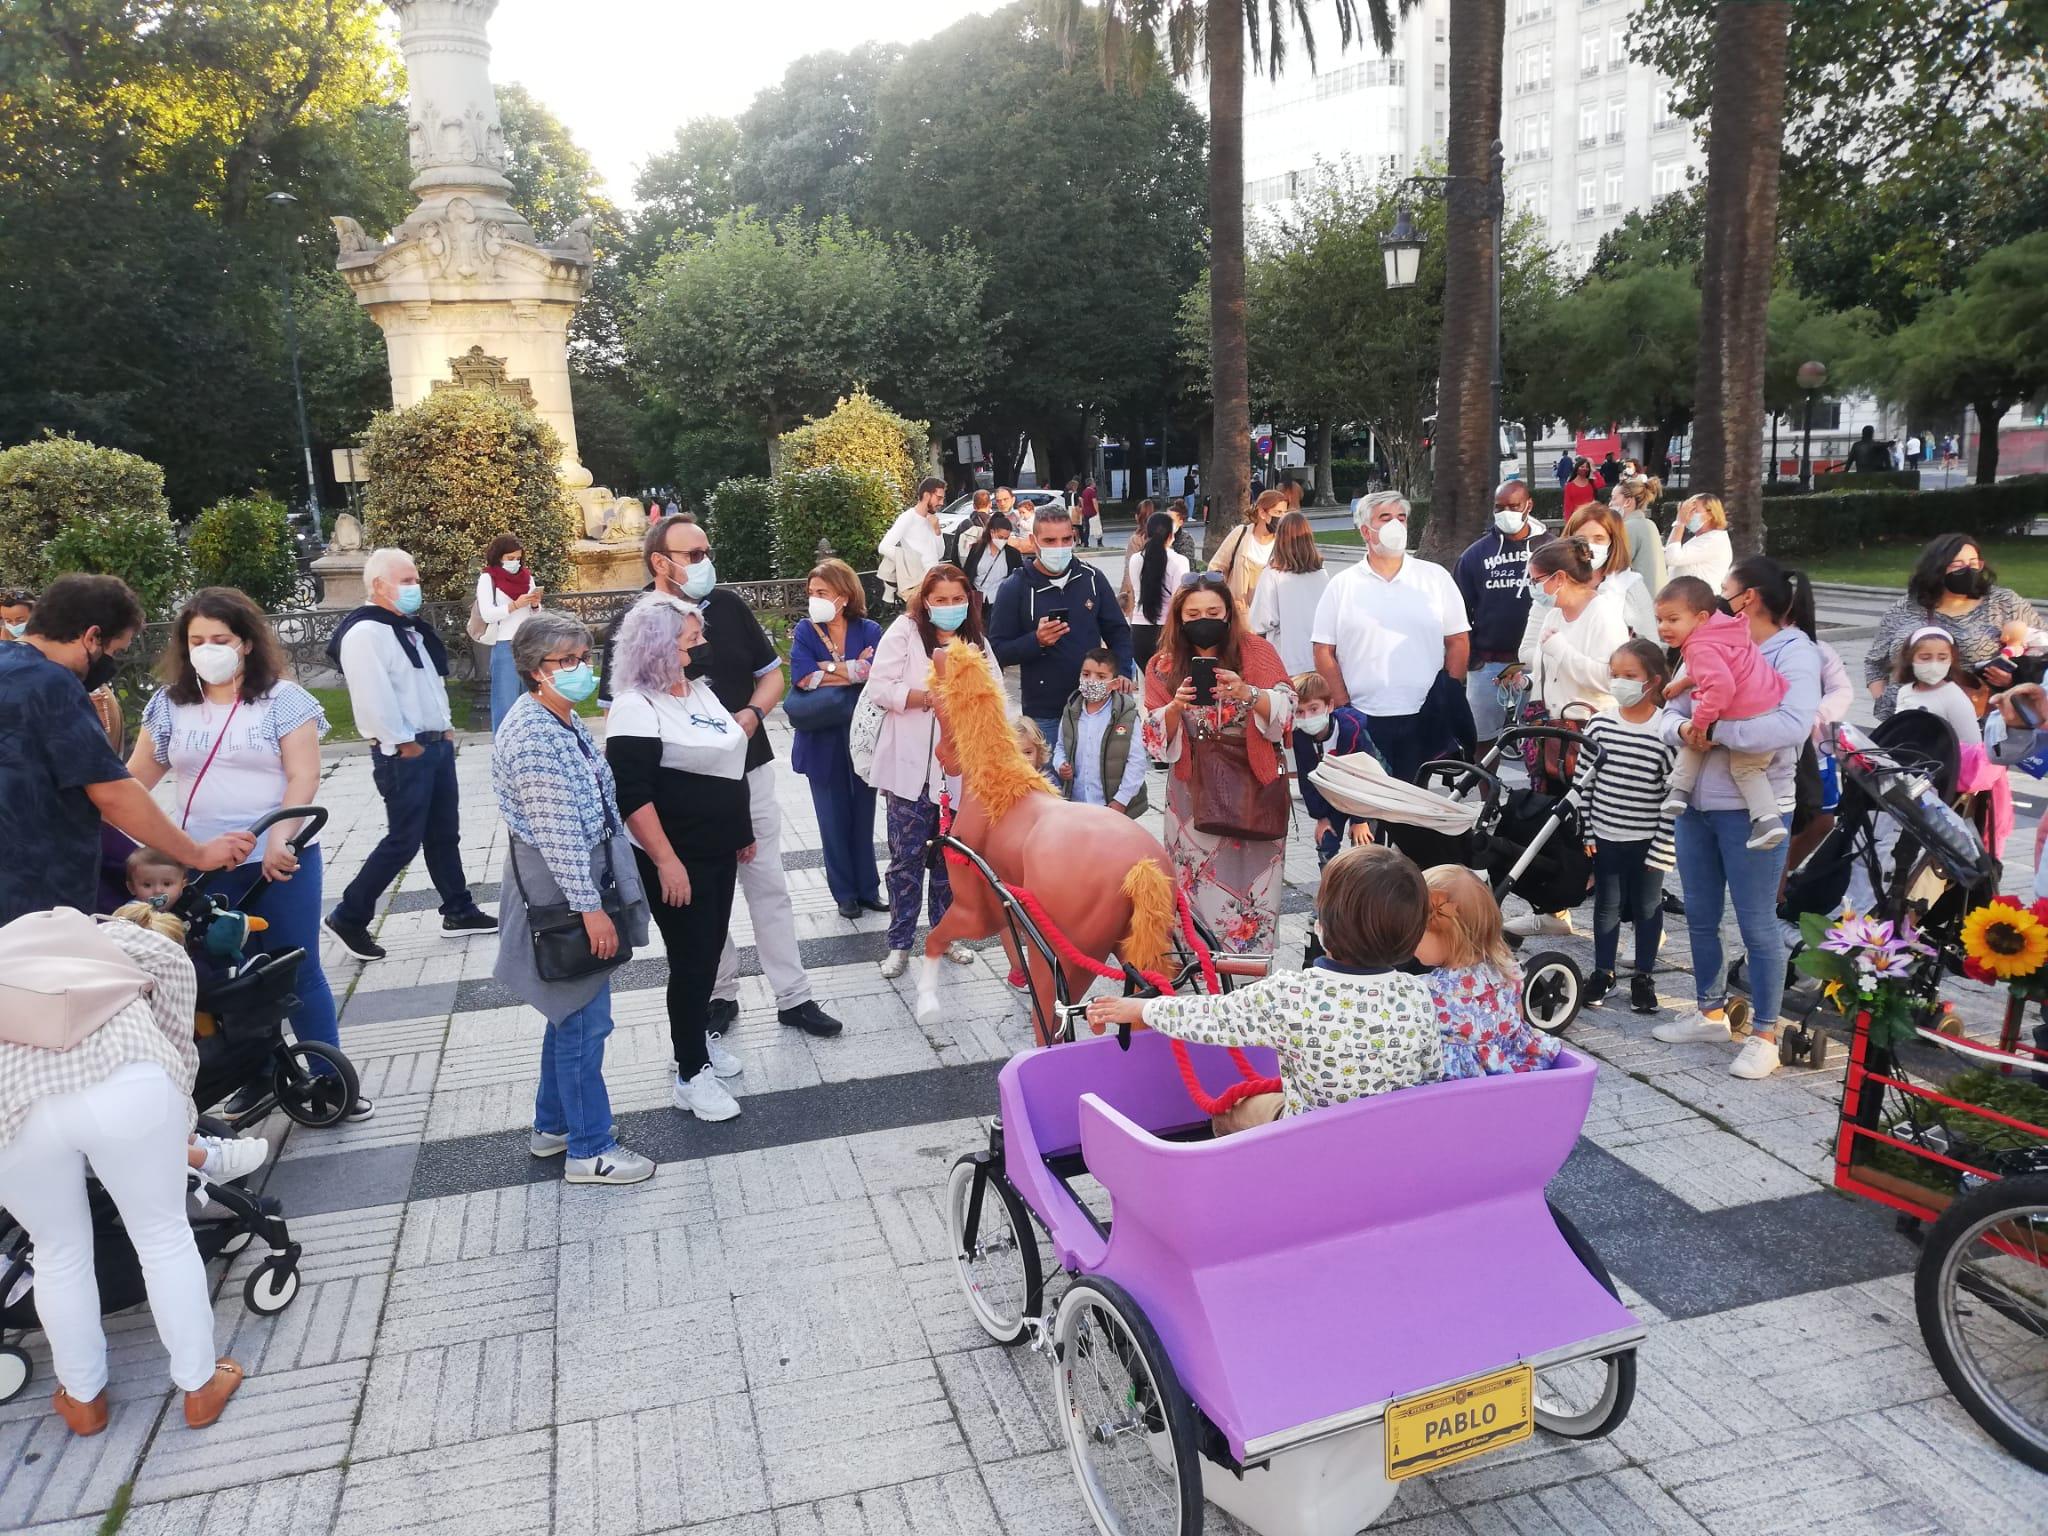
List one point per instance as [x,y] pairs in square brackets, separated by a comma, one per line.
[1102,881]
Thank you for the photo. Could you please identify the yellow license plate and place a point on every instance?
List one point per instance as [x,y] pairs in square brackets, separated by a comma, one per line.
[1452,1424]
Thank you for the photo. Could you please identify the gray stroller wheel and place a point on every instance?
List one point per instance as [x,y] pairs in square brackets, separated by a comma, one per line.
[1553,991]
[16,1371]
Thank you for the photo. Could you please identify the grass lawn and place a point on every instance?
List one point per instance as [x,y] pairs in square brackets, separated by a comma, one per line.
[1347,536]
[461,698]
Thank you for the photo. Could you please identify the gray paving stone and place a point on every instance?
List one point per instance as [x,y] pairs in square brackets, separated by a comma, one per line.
[652,1470]
[803,1332]
[491,1223]
[399,1121]
[1621,1503]
[1004,1401]
[469,1299]
[668,1355]
[913,1223]
[279,1506]
[839,1237]
[495,1487]
[863,1429]
[783,1178]
[478,1390]
[1791,1480]
[48,1474]
[949,1327]
[1036,1495]
[327,1322]
[1711,1169]
[278,1424]
[677,1196]
[915,1157]
[619,1276]
[954,1505]
[1935,1449]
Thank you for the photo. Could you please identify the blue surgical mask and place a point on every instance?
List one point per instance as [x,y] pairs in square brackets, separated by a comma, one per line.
[1056,560]
[948,616]
[409,597]
[18,630]
[575,683]
[1540,597]
[700,580]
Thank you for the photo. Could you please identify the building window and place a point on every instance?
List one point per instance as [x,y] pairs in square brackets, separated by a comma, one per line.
[1543,132]
[1611,197]
[1666,177]
[1397,119]
[1617,47]
[1589,124]
[1437,74]
[1442,28]
[1617,121]
[1587,207]
[1666,115]
[1589,53]
[1540,203]
[1439,125]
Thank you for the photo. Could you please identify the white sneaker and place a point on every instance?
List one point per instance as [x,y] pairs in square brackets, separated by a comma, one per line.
[621,1165]
[229,1158]
[959,953]
[1530,925]
[705,1097]
[895,963]
[1766,832]
[551,1143]
[1695,1028]
[1757,1058]
[723,1062]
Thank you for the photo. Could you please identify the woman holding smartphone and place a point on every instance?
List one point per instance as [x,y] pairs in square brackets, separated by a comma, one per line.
[1212,680]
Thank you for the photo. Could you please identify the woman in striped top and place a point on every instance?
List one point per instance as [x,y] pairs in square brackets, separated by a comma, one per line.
[1632,837]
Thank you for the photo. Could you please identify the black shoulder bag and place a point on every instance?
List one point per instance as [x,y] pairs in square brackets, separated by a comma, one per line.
[561,947]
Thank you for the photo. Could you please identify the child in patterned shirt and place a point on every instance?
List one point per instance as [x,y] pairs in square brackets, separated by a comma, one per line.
[1473,982]
[1348,1026]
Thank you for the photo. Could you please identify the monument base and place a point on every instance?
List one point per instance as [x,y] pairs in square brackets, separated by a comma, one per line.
[597,567]
[341,578]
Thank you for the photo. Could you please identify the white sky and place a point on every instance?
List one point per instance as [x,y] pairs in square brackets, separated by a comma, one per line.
[625,74]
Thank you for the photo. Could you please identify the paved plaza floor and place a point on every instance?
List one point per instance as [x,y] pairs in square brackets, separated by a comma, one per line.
[767,1339]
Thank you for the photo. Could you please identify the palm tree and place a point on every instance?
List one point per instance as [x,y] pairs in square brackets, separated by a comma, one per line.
[1135,37]
[1745,139]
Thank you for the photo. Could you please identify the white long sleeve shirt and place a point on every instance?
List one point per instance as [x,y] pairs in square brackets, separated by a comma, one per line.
[501,619]
[394,701]
[1569,656]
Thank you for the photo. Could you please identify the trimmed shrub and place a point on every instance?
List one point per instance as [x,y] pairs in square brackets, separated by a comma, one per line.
[1867,480]
[1800,527]
[861,434]
[139,545]
[246,542]
[46,485]
[849,509]
[453,472]
[741,527]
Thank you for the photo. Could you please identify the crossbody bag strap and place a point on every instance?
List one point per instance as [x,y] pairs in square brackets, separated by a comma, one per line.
[200,777]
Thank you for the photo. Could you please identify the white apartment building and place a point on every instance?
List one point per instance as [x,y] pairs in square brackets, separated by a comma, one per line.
[1589,133]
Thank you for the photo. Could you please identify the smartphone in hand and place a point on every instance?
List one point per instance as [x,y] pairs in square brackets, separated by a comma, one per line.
[1057,615]
[1203,670]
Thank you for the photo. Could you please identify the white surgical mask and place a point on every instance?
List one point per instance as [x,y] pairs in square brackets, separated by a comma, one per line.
[1627,691]
[512,567]
[1931,673]
[1596,555]
[1540,595]
[1312,725]
[216,663]
[1697,522]
[1392,538]
[1508,520]
[823,610]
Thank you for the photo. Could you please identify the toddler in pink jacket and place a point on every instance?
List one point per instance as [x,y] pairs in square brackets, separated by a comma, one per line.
[1730,680]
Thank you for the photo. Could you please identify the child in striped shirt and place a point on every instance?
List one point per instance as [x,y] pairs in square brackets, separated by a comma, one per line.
[1624,797]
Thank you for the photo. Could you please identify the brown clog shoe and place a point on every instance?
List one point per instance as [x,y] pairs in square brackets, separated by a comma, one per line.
[205,1405]
[84,1418]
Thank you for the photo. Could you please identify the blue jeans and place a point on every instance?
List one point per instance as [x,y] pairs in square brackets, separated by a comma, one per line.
[505,684]
[1712,859]
[572,1097]
[1482,693]
[846,828]
[422,809]
[1402,741]
[292,908]
[1624,886]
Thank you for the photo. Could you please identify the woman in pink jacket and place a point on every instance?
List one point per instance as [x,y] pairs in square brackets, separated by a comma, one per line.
[906,769]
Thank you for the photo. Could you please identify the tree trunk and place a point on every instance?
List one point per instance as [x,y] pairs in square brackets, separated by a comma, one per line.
[1326,487]
[1988,414]
[1041,459]
[1467,435]
[1743,151]
[1530,431]
[1228,483]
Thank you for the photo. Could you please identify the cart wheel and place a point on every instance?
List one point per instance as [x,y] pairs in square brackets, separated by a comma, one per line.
[235,1243]
[1553,990]
[1130,1428]
[311,1097]
[271,1288]
[1588,1398]
[1792,1046]
[1984,1310]
[998,1263]
[16,1371]
[1816,1047]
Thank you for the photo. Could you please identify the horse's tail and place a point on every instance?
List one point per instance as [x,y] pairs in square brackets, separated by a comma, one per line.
[1150,892]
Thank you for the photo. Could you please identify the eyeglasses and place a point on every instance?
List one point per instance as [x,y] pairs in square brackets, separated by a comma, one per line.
[565,661]
[706,720]
[689,557]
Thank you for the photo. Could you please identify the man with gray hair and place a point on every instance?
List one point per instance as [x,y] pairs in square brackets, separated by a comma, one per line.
[396,669]
[1386,629]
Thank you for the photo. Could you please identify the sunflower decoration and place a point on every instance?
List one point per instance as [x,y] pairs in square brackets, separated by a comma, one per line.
[2005,941]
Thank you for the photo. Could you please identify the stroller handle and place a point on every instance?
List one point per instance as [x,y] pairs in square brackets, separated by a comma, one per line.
[315,817]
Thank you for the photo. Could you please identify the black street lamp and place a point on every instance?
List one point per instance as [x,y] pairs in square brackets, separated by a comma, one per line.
[281,201]
[1812,377]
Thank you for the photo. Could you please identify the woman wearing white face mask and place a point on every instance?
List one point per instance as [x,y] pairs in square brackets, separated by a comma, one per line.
[829,657]
[238,740]
[1699,544]
[505,594]
[1580,629]
[1608,549]
[992,558]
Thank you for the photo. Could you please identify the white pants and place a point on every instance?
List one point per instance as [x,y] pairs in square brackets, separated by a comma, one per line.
[766,888]
[132,1127]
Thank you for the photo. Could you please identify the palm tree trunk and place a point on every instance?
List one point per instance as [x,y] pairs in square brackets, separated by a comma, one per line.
[1467,437]
[1229,481]
[1743,151]
[1989,413]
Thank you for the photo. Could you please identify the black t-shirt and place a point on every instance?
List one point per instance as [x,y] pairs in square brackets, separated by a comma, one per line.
[51,748]
[740,653]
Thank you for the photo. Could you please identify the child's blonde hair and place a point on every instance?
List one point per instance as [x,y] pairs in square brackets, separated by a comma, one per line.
[1031,742]
[143,915]
[1463,909]
[1311,686]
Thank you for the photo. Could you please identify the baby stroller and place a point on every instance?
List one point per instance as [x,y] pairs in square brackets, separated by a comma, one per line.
[1528,842]
[242,1007]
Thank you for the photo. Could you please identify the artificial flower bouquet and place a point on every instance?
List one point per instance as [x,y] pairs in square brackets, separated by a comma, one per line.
[1868,969]
[2004,941]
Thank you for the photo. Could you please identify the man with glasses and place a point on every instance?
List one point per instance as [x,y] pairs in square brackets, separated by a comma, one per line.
[1490,575]
[1050,615]
[739,661]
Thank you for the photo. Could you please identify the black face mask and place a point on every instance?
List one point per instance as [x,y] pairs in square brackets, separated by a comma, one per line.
[100,671]
[1206,634]
[700,661]
[1967,582]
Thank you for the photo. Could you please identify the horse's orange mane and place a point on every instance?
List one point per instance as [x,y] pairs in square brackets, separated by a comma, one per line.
[975,718]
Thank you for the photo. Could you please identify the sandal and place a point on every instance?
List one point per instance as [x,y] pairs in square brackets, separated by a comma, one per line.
[84,1418]
[204,1406]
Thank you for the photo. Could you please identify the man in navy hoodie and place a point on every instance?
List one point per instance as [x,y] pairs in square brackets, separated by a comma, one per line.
[1050,615]
[1490,577]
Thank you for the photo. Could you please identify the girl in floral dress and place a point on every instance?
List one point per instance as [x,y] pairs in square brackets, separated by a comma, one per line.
[1234,885]
[1473,981]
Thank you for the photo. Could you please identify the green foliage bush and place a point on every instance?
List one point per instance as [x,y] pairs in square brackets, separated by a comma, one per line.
[742,529]
[246,542]
[139,545]
[849,509]
[1867,480]
[46,485]
[453,472]
[861,433]
[1803,526]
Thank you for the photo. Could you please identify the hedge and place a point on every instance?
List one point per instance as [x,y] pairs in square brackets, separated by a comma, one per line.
[1867,480]
[245,542]
[849,509]
[1800,527]
[742,528]
[48,484]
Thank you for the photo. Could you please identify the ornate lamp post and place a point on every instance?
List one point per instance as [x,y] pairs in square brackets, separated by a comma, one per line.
[282,201]
[1812,377]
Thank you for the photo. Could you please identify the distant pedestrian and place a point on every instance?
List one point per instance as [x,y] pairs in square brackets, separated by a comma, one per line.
[1091,515]
[1049,616]
[1283,611]
[1190,487]
[1699,543]
[1610,470]
[1579,489]
[1153,572]
[1244,552]
[913,544]
[1491,579]
[505,594]
[1867,455]
[1567,466]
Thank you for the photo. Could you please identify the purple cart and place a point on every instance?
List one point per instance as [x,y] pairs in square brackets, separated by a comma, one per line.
[1291,1320]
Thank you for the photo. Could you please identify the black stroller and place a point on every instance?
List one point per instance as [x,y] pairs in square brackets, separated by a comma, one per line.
[243,1005]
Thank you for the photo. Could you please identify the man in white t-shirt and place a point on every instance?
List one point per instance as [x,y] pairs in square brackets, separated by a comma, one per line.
[1386,629]
[913,544]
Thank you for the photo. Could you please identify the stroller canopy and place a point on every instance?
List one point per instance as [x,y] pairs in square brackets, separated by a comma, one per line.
[1358,786]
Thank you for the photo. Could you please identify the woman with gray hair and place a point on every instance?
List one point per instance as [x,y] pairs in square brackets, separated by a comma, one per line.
[681,764]
[560,805]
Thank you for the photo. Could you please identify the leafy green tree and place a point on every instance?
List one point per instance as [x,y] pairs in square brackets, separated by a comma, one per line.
[1636,340]
[245,542]
[1671,232]
[139,545]
[687,189]
[47,485]
[808,142]
[740,523]
[847,508]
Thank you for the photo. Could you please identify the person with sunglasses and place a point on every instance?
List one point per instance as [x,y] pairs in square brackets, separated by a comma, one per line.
[739,661]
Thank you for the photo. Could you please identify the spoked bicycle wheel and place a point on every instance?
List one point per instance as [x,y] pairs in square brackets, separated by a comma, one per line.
[998,1261]
[1982,1296]
[1130,1429]
[1587,1398]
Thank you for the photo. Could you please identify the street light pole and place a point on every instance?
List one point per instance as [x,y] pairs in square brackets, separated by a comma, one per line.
[281,201]
[1497,206]
[1811,377]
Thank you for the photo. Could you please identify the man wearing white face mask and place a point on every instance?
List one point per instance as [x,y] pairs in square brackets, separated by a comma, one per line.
[1386,629]
[1489,577]
[397,668]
